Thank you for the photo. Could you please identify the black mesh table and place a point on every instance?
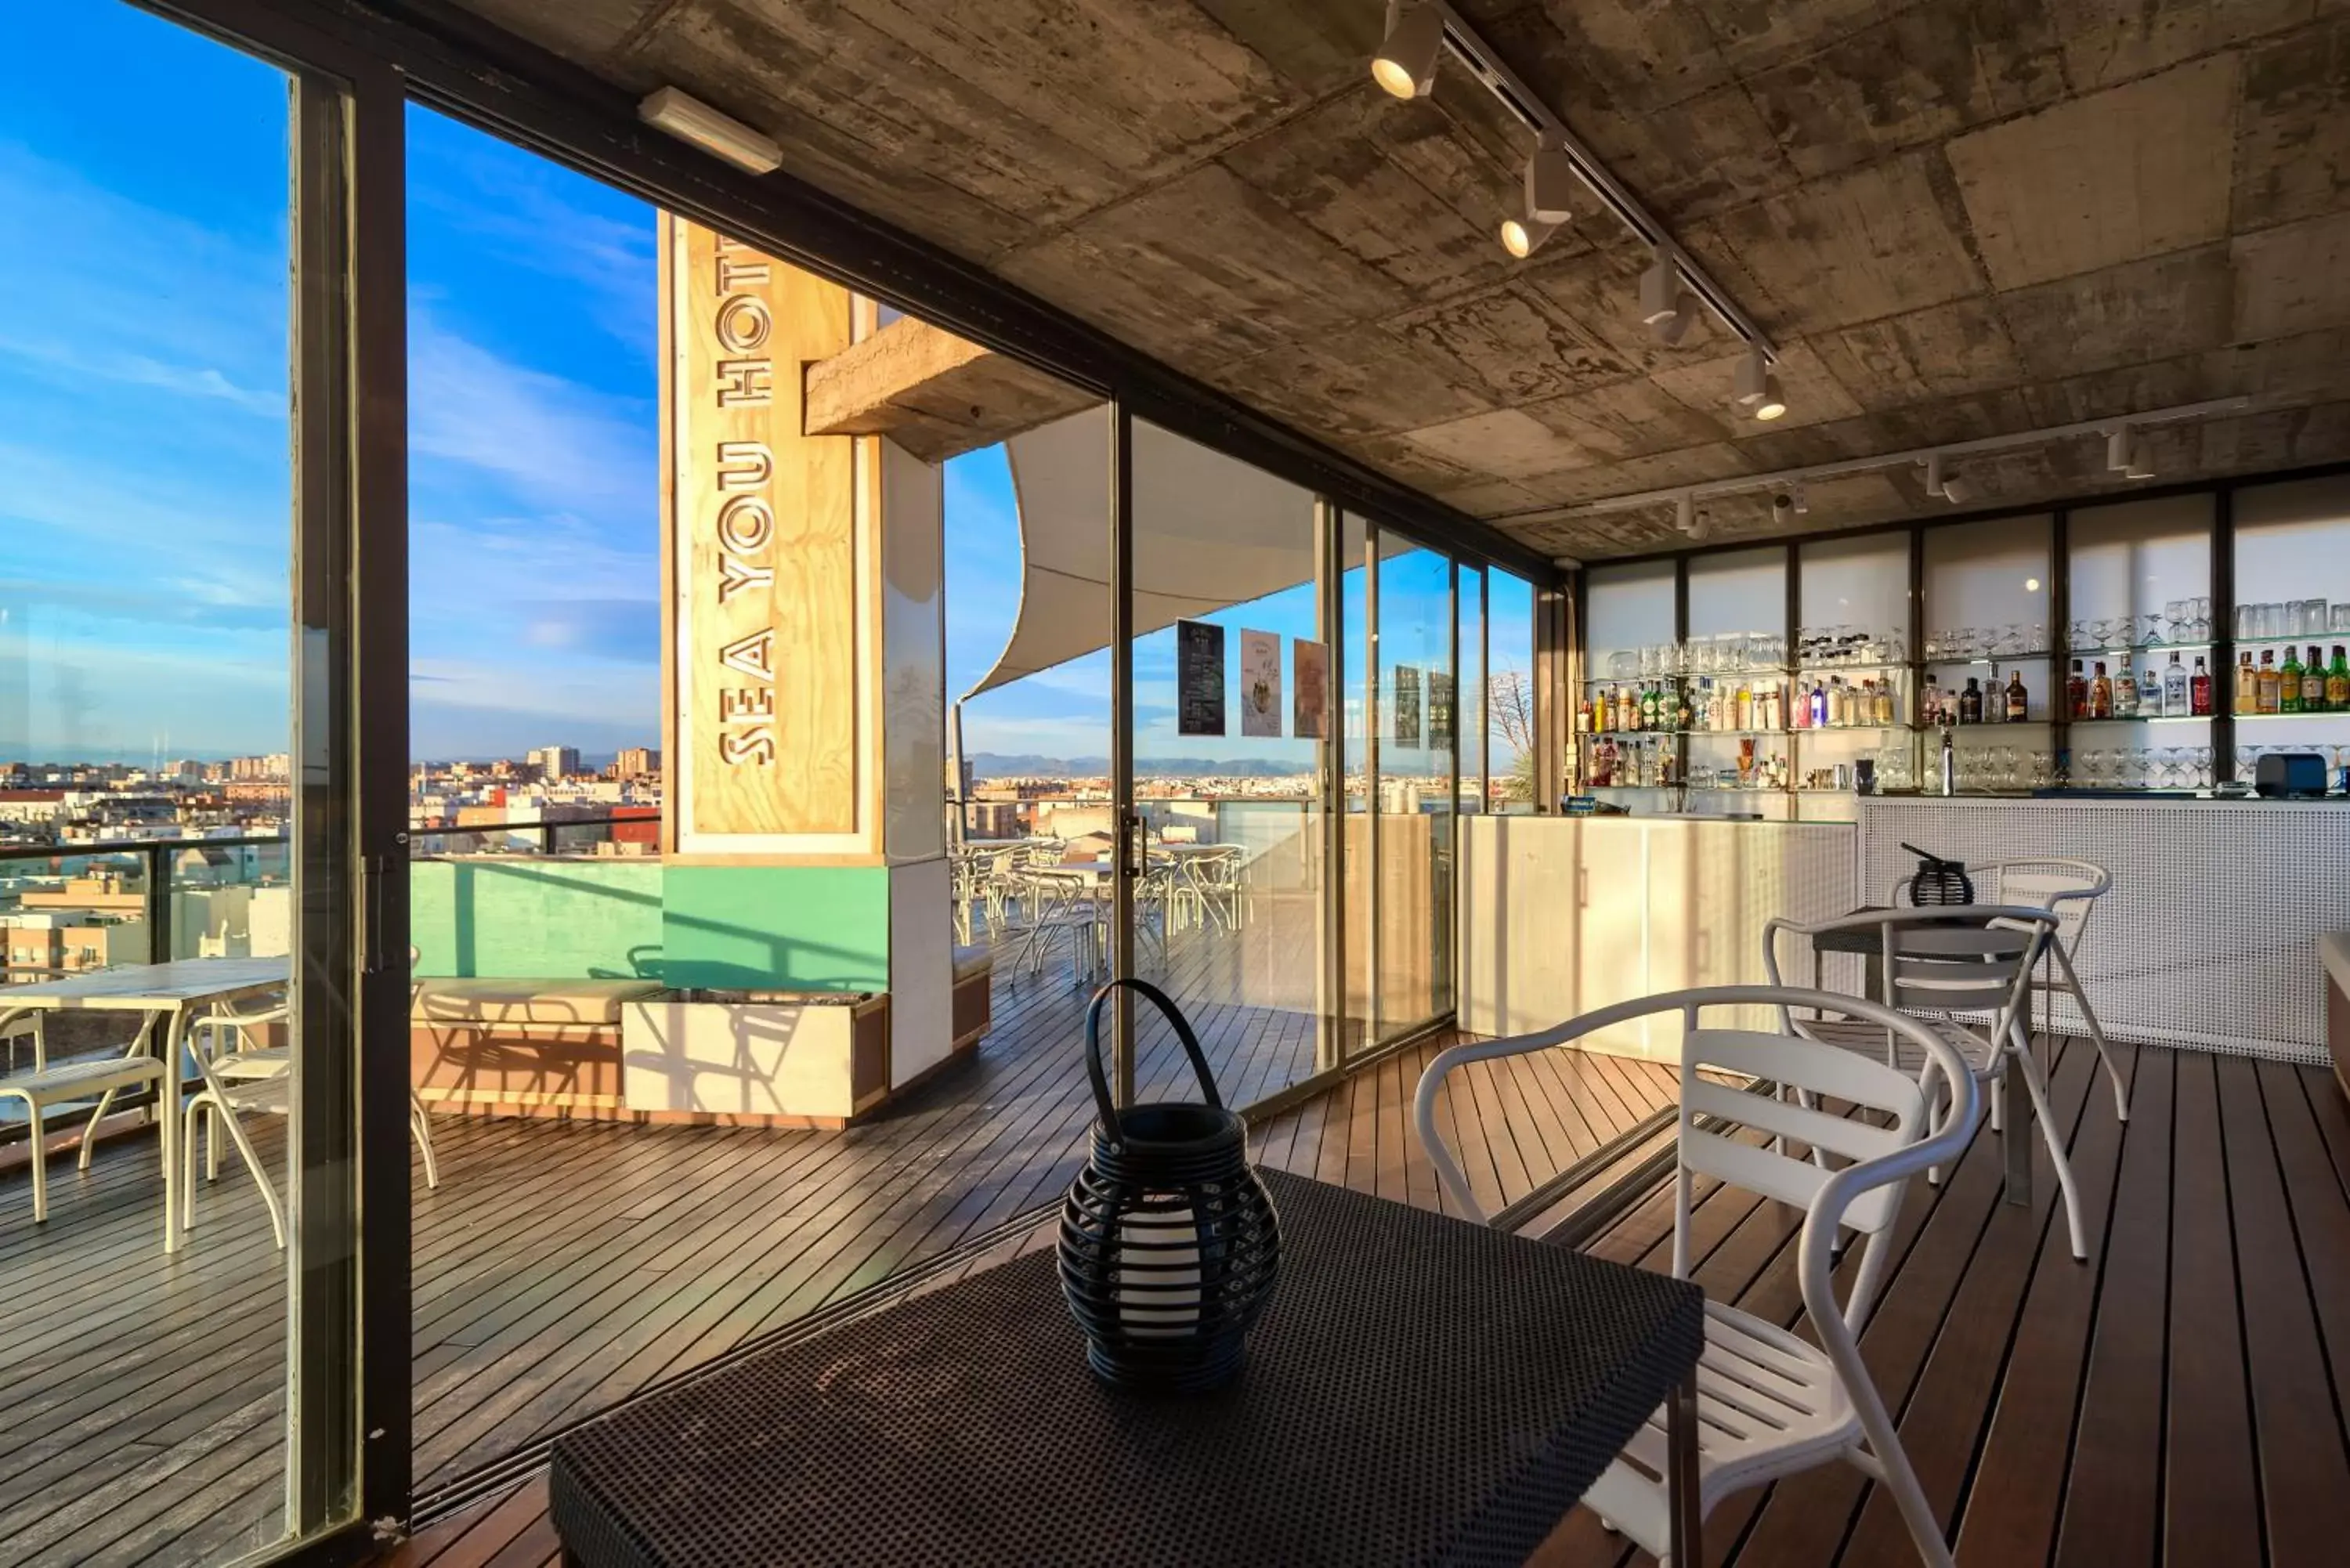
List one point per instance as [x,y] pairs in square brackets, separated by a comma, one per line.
[1421,1390]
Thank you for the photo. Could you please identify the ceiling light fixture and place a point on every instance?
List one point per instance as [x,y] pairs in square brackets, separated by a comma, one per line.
[690,120]
[1551,181]
[1660,287]
[1934,473]
[1522,238]
[1406,63]
[1758,386]
[1801,497]
[1685,513]
[2117,448]
[1957,491]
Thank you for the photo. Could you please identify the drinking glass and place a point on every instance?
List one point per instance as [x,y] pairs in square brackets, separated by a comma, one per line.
[2340,623]
[2202,615]
[2176,614]
[2248,622]
[2272,619]
[2314,619]
[2204,775]
[2042,770]
[2149,629]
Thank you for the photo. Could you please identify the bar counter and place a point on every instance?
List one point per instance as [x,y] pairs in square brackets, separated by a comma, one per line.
[2208,938]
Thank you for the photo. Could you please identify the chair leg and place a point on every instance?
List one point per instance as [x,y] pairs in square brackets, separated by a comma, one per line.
[2033,1084]
[90,1129]
[189,1122]
[2096,1034]
[420,1120]
[260,1173]
[40,1162]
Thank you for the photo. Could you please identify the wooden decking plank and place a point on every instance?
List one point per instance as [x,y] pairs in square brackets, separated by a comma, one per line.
[2212,1489]
[2305,1469]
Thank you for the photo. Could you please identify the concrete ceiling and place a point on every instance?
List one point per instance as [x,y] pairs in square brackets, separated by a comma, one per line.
[1955,217]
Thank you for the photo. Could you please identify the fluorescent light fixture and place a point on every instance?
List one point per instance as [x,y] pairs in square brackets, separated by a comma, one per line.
[721,136]
[1660,289]
[1522,238]
[1406,63]
[1550,184]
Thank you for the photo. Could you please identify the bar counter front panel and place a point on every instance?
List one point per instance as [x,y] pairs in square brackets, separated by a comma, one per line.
[2208,938]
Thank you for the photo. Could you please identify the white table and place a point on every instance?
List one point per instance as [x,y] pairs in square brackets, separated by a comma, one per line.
[172,995]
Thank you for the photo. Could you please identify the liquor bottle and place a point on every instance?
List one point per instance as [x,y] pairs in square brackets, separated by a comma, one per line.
[2248,686]
[2337,683]
[1929,701]
[1970,702]
[1648,716]
[2101,694]
[2175,702]
[2019,700]
[2153,694]
[1603,763]
[2076,693]
[1684,719]
[1583,717]
[2198,691]
[2268,694]
[2124,692]
[2313,683]
[1819,705]
[1885,714]
[2289,681]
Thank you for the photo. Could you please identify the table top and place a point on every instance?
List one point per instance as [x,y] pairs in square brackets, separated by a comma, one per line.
[147,987]
[1420,1390]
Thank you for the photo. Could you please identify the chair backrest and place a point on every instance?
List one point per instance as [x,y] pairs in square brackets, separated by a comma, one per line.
[1863,1192]
[1979,959]
[2066,888]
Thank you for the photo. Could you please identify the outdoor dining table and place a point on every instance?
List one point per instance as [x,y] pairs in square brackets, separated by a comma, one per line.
[171,996]
[1420,1389]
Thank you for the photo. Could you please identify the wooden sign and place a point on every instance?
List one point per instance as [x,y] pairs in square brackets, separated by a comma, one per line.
[760,555]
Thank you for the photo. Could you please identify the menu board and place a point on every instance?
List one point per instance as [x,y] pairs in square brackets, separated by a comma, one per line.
[1310,680]
[1261,684]
[1406,708]
[1198,678]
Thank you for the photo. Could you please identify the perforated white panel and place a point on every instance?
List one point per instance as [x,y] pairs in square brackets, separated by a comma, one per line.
[2210,935]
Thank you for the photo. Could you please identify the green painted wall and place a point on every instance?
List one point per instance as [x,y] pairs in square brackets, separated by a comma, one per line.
[536,920]
[786,927]
[792,927]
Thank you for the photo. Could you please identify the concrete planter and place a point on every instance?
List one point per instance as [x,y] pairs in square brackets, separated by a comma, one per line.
[819,1057]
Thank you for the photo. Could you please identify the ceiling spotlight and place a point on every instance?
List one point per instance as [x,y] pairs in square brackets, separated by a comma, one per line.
[1801,497]
[1934,473]
[1406,63]
[1782,508]
[1660,289]
[1957,491]
[721,136]
[2141,460]
[1523,236]
[2117,448]
[1758,386]
[1550,184]
[1685,513]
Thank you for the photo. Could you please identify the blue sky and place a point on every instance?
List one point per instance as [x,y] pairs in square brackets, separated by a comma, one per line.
[144,478]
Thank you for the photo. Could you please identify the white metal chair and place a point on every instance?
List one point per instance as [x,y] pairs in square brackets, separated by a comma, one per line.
[1769,1402]
[1965,971]
[2069,890]
[74,1084]
[242,1076]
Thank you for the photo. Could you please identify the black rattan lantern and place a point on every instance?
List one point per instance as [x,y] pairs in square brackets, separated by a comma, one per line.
[1170,1246]
[1939,881]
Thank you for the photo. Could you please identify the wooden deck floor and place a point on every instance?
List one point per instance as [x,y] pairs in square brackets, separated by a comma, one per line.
[559,1267]
[2178,1399]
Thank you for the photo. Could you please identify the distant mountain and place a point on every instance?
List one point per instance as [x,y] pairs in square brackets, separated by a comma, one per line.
[997,765]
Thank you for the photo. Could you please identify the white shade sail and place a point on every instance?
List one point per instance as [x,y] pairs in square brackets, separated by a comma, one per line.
[1209,531]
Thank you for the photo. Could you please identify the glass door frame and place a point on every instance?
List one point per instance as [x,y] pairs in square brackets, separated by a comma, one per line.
[347,1412]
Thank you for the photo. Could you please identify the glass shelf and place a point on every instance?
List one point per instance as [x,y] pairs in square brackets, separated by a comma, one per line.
[1848,729]
[2304,640]
[1862,669]
[2158,719]
[2270,717]
[2091,650]
[1954,660]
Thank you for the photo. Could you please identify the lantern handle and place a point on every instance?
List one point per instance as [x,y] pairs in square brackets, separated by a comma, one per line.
[1182,1033]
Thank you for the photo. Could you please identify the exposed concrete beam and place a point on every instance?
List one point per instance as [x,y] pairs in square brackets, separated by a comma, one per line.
[931,393]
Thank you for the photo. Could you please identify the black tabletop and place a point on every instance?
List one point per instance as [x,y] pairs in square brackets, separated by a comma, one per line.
[1420,1390]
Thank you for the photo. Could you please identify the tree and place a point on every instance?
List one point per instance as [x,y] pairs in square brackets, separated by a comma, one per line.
[1509,707]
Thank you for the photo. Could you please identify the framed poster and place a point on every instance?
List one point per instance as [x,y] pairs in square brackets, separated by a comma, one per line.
[1261,684]
[1406,708]
[1310,680]
[1198,678]
[1440,710]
